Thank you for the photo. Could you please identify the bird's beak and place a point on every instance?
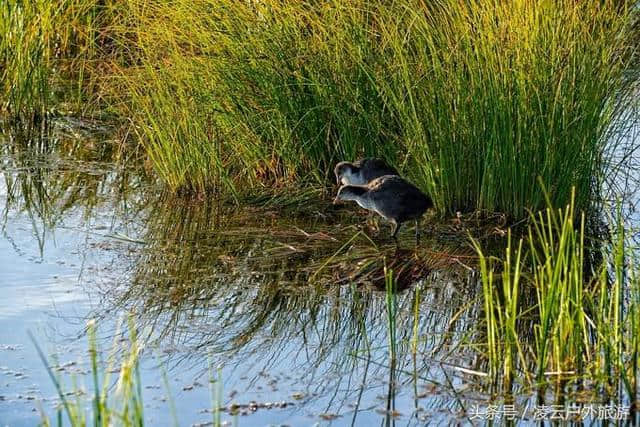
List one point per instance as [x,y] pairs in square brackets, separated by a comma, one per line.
[336,201]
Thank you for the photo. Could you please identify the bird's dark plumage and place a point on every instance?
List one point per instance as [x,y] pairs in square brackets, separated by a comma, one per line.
[362,172]
[390,196]
[397,199]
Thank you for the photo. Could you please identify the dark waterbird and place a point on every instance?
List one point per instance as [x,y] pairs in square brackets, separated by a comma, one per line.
[391,197]
[362,172]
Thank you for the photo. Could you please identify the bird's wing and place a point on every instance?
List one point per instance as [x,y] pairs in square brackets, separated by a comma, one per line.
[387,193]
[397,198]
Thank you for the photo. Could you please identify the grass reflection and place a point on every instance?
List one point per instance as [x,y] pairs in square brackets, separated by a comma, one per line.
[259,289]
[360,324]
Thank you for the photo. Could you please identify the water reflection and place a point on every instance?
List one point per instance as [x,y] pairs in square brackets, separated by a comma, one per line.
[273,293]
[291,305]
[68,170]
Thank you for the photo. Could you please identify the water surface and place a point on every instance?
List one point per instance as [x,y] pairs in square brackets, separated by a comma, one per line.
[286,305]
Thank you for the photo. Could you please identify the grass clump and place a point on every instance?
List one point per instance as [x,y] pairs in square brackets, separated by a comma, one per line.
[51,53]
[25,29]
[474,101]
[579,332]
[281,87]
[493,95]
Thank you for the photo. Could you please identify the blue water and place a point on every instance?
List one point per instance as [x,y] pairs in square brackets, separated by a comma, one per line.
[298,353]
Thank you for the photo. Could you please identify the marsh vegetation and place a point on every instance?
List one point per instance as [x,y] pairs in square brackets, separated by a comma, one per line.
[204,134]
[474,101]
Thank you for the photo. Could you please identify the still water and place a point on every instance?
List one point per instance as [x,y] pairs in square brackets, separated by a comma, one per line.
[285,305]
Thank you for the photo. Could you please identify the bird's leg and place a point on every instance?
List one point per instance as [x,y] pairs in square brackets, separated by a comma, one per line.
[394,229]
[417,231]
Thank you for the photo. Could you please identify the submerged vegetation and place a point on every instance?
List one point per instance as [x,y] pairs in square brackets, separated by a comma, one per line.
[474,101]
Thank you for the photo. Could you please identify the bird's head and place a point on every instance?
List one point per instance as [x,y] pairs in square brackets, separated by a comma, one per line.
[344,171]
[349,192]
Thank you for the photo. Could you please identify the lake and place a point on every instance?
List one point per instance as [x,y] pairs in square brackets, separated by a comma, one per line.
[285,306]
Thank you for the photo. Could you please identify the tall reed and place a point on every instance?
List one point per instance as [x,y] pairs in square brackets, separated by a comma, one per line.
[121,406]
[493,95]
[474,101]
[583,318]
[501,297]
[51,53]
[25,32]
